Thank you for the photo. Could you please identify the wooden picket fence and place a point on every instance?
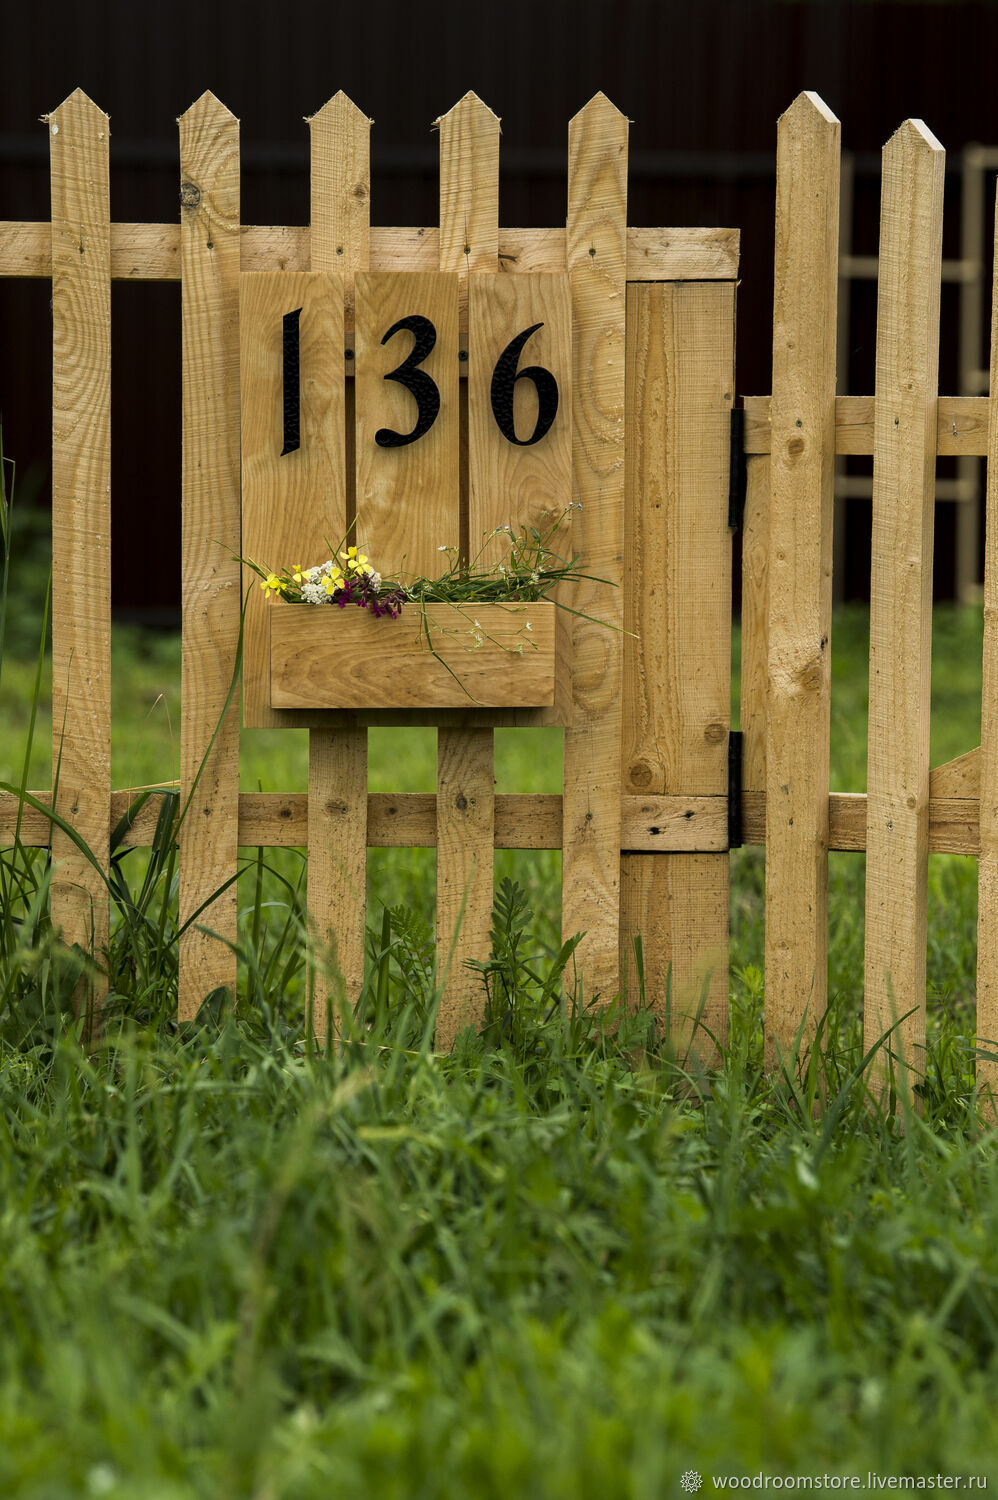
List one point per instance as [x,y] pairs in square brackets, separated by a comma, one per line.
[645,819]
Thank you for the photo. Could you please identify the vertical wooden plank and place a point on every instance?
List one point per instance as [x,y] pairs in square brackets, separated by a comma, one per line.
[802,476]
[340,137]
[677,652]
[520,483]
[755,610]
[409,496]
[209,257]
[81,520]
[596,263]
[987,870]
[904,463]
[469,243]
[291,502]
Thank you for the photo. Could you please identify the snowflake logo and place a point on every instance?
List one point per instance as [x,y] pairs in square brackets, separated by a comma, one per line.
[691,1481]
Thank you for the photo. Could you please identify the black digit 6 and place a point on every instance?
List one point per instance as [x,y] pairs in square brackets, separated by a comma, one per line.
[419,385]
[504,378]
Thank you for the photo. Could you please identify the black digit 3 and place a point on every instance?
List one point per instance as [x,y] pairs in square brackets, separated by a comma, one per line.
[419,385]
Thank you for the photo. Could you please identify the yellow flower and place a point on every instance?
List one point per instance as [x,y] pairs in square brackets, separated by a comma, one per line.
[356,561]
[296,572]
[271,585]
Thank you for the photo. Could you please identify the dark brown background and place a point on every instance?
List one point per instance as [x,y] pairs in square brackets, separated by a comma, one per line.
[703,83]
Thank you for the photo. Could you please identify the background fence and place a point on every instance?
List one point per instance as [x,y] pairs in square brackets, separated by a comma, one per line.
[644,818]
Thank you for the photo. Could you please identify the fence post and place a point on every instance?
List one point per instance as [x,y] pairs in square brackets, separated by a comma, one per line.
[469,243]
[337,758]
[677,653]
[81,525]
[209,253]
[596,256]
[904,466]
[799,624]
[987,870]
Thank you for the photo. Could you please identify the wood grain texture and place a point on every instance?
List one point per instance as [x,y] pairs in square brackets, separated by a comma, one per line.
[961,425]
[755,612]
[901,591]
[986,758]
[337,758]
[677,615]
[81,524]
[596,263]
[799,625]
[209,772]
[523,820]
[509,484]
[443,657]
[151,252]
[409,497]
[469,245]
[293,504]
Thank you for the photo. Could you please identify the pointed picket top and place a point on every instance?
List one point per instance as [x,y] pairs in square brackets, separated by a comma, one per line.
[599,108]
[808,107]
[913,135]
[207,107]
[339,107]
[469,108]
[340,165]
[79,107]
[469,186]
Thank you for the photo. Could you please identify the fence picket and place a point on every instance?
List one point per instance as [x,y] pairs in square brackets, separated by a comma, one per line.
[81,522]
[901,589]
[755,611]
[987,872]
[596,264]
[677,652]
[209,250]
[340,156]
[469,243]
[802,472]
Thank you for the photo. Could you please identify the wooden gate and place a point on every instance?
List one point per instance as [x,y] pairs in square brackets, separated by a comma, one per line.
[643,819]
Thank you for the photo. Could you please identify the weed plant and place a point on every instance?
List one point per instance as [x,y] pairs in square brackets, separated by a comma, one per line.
[564,1260]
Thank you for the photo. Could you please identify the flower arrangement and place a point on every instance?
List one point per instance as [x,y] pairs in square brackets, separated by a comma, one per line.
[531,572]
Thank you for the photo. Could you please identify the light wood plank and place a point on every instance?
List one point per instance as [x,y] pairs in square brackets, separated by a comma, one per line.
[81,524]
[901,591]
[469,245]
[802,474]
[986,764]
[755,612]
[596,259]
[408,497]
[209,772]
[151,252]
[294,504]
[524,820]
[443,656]
[677,652]
[339,137]
[961,425]
[509,484]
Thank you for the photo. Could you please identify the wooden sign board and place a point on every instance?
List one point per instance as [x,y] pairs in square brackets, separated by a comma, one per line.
[430,470]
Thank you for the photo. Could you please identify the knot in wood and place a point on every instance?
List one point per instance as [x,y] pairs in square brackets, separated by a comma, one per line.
[640,773]
[714,733]
[795,447]
[190,195]
[811,677]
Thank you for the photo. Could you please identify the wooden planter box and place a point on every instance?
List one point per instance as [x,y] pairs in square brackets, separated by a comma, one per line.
[325,657]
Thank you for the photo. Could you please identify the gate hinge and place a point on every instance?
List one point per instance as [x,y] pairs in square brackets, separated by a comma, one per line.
[737,473]
[735,789]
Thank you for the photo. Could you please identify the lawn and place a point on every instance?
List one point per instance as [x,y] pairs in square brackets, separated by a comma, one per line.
[559,1262]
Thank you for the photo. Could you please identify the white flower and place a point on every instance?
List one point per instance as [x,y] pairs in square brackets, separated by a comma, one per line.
[528,626]
[314,592]
[375,581]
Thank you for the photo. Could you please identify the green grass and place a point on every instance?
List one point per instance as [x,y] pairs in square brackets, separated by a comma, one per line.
[560,1262]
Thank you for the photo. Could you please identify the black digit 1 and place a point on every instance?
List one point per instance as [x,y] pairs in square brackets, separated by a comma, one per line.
[292,382]
[419,385]
[504,378]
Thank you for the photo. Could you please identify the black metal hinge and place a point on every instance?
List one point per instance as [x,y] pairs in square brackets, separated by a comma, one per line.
[737,481]
[735,789]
